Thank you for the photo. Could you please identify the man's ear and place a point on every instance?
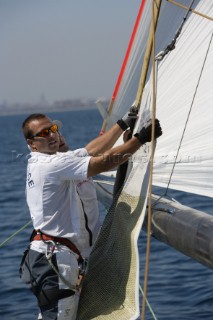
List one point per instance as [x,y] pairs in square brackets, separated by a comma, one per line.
[31,145]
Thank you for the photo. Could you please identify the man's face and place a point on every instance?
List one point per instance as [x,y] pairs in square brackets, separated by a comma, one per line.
[48,144]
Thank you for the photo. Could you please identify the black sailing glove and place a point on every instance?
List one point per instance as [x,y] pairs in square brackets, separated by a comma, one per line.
[128,119]
[145,134]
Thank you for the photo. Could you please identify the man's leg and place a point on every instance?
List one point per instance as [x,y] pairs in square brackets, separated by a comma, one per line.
[56,300]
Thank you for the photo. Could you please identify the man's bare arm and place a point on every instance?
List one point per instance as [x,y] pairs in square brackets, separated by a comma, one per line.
[108,139]
[118,155]
[113,157]
[104,142]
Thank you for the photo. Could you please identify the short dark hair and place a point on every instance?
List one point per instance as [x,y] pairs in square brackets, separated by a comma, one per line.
[25,125]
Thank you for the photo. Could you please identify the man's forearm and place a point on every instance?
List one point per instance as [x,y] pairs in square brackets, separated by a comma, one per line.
[105,141]
[113,157]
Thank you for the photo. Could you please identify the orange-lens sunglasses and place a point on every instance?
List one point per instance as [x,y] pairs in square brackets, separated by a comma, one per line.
[45,132]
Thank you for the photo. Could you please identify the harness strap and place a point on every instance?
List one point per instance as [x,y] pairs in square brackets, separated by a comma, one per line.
[52,295]
[64,241]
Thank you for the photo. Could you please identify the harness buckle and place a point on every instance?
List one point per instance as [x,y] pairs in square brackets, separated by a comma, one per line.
[83,267]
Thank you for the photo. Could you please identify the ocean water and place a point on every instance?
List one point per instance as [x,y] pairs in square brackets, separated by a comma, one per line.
[178,287]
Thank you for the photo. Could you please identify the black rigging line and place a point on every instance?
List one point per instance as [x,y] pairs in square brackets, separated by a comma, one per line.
[171,46]
[193,99]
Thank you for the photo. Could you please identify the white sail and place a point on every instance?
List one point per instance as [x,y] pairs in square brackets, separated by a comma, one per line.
[184,106]
[184,95]
[184,98]
[129,84]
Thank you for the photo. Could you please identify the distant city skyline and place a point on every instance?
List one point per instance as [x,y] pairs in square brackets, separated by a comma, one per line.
[58,50]
[45,107]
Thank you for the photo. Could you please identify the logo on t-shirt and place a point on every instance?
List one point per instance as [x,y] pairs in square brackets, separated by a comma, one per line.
[30,181]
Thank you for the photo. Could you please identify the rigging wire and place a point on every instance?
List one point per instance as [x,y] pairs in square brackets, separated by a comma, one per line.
[156,59]
[148,304]
[151,164]
[15,233]
[191,10]
[191,106]
[160,56]
[147,55]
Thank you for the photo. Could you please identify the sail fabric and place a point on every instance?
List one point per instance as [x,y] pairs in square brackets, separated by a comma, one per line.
[129,84]
[184,107]
[111,286]
[184,95]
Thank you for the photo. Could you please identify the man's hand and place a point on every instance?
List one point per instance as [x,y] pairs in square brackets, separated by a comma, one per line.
[145,134]
[128,119]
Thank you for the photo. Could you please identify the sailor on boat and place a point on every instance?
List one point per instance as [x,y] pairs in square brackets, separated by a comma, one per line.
[65,227]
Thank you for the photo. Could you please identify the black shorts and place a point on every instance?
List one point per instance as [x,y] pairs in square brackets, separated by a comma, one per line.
[55,299]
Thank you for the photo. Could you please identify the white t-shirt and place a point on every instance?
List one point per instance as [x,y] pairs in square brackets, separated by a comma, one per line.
[61,199]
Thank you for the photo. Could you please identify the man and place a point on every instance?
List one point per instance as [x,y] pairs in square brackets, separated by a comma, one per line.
[86,188]
[66,227]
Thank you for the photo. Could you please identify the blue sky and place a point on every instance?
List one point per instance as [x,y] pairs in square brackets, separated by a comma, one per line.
[62,49]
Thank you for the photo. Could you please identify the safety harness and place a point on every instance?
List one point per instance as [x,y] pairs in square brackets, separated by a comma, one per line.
[52,241]
[48,296]
[38,235]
